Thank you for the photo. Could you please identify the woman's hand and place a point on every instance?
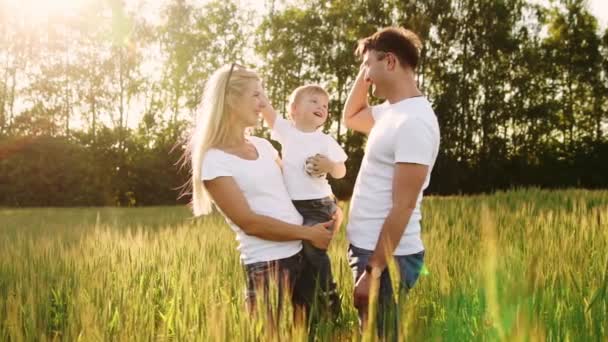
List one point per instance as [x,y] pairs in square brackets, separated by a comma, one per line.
[319,235]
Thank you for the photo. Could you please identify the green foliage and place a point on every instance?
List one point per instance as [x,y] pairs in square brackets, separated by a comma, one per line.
[54,171]
[47,171]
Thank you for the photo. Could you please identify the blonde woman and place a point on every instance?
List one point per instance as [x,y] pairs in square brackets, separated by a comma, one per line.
[240,174]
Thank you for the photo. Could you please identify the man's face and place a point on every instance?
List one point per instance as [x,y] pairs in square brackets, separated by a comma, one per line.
[374,63]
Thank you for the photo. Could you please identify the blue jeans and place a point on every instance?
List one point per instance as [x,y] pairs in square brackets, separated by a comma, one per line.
[321,281]
[387,316]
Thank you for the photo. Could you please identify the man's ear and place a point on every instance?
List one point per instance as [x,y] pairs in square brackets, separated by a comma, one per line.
[391,61]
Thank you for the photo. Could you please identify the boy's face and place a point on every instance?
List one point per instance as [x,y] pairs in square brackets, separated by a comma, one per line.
[310,111]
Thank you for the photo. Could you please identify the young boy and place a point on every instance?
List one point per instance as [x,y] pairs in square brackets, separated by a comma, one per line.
[308,156]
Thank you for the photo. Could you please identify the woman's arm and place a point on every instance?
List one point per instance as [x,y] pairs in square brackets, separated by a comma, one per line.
[229,198]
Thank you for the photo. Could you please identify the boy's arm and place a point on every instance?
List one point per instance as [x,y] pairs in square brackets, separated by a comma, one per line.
[268,112]
[322,164]
[333,162]
[339,170]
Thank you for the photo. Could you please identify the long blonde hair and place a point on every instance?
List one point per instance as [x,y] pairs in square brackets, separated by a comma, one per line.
[213,126]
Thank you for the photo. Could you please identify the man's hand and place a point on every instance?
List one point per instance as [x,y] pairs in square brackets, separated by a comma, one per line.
[357,114]
[362,295]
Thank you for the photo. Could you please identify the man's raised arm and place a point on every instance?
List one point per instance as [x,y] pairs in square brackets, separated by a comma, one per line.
[357,114]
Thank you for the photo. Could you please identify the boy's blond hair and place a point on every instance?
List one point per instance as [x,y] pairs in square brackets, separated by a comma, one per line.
[308,89]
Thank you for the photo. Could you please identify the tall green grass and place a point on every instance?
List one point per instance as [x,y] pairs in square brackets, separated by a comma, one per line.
[519,265]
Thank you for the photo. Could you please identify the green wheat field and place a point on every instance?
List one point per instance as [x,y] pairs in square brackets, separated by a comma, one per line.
[519,265]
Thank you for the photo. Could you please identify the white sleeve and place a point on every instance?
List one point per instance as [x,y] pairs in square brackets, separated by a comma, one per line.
[281,129]
[415,143]
[335,151]
[380,109]
[214,166]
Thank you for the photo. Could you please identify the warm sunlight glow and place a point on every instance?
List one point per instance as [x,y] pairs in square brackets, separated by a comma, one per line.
[599,8]
[34,12]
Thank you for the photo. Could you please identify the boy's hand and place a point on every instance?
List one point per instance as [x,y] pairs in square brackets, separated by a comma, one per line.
[264,98]
[268,112]
[321,164]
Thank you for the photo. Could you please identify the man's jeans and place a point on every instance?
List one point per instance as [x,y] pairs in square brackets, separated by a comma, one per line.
[319,271]
[387,317]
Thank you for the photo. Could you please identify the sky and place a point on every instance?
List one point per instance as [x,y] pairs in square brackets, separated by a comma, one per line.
[37,9]
[599,8]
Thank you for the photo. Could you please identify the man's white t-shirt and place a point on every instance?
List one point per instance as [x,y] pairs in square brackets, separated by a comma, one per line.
[404,132]
[296,147]
[262,185]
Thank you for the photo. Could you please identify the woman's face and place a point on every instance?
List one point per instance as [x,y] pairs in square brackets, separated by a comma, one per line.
[249,105]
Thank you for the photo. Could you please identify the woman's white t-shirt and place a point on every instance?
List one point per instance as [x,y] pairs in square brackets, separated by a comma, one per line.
[296,147]
[262,185]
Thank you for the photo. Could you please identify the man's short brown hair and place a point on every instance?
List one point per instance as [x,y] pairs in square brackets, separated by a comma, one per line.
[403,43]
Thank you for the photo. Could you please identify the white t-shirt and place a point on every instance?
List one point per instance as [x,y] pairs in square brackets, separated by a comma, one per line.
[404,132]
[296,147]
[262,185]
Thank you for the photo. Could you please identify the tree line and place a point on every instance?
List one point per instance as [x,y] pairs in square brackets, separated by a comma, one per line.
[95,105]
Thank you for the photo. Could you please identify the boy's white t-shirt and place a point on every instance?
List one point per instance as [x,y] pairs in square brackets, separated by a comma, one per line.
[404,132]
[262,185]
[296,147]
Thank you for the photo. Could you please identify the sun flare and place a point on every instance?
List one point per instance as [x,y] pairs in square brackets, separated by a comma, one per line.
[35,12]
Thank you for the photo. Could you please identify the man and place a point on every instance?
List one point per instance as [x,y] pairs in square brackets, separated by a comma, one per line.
[402,146]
